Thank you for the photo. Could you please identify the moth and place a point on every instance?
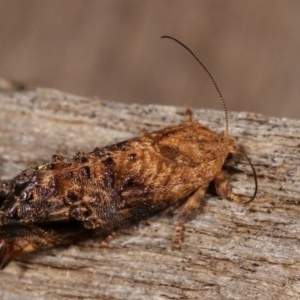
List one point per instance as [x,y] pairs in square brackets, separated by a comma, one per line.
[116,186]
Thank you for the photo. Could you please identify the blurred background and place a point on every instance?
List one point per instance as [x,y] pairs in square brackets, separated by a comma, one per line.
[112,50]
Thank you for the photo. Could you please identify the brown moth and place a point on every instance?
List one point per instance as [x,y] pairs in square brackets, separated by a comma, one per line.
[115,186]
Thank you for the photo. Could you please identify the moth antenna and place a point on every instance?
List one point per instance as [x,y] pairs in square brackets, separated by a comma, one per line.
[255,178]
[210,76]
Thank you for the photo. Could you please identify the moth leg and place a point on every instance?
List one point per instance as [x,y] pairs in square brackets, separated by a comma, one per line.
[223,188]
[185,213]
[105,242]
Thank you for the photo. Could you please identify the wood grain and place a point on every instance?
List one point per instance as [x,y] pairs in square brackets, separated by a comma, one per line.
[230,251]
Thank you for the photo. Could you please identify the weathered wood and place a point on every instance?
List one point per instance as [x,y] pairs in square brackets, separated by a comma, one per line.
[230,251]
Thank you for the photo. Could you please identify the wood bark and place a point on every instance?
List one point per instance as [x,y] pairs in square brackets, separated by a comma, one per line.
[230,250]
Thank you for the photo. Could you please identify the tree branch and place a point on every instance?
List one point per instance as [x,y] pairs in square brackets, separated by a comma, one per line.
[230,251]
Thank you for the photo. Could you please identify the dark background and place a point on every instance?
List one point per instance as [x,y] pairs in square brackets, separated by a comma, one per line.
[111,49]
